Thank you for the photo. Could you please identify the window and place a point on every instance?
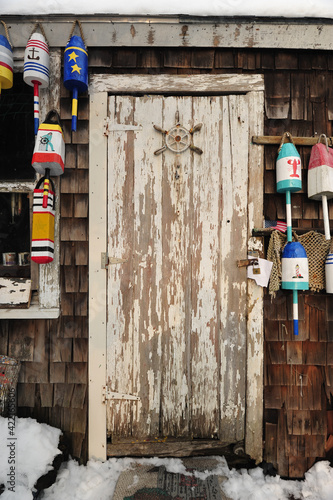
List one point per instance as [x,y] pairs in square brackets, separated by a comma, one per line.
[17,182]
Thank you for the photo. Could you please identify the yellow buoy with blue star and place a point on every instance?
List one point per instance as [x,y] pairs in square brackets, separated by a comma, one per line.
[75,72]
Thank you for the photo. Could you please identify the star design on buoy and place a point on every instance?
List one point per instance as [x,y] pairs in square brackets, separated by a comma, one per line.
[73,56]
[76,68]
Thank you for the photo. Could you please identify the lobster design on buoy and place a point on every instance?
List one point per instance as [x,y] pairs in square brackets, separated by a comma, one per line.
[288,174]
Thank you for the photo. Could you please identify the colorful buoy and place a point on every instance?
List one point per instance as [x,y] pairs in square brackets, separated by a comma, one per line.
[75,72]
[49,153]
[288,177]
[329,273]
[320,178]
[295,274]
[6,64]
[36,69]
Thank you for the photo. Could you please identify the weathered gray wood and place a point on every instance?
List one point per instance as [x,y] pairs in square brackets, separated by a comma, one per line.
[104,31]
[166,448]
[176,84]
[204,256]
[49,274]
[97,276]
[178,280]
[15,292]
[233,279]
[255,337]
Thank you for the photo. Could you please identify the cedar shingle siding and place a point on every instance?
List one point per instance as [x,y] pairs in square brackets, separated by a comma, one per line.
[298,371]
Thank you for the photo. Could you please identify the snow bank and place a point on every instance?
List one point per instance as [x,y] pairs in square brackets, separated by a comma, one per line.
[283,8]
[27,452]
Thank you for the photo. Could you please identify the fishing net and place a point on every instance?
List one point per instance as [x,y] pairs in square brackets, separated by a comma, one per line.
[316,247]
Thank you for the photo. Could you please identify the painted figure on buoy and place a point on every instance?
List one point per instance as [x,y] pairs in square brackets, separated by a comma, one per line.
[295,274]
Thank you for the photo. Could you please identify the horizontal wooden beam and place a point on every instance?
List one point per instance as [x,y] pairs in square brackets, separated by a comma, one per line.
[298,141]
[177,31]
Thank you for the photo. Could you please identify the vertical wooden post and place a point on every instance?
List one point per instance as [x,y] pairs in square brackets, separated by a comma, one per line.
[255,330]
[97,276]
[49,274]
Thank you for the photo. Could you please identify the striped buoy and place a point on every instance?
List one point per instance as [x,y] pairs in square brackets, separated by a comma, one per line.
[49,154]
[320,178]
[295,274]
[36,69]
[75,71]
[42,240]
[288,175]
[6,62]
[329,273]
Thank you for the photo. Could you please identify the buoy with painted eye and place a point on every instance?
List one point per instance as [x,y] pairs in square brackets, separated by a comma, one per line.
[75,72]
[6,64]
[288,176]
[36,69]
[295,274]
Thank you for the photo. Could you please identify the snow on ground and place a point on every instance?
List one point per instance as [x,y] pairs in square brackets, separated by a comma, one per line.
[283,8]
[28,449]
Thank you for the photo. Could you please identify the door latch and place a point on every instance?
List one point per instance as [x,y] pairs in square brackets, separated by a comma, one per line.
[107,261]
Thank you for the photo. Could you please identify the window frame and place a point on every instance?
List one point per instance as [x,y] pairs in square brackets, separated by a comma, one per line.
[45,303]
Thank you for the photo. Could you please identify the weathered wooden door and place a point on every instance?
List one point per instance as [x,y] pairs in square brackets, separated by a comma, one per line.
[177,224]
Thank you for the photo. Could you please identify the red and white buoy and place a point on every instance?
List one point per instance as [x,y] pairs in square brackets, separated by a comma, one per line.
[36,69]
[320,178]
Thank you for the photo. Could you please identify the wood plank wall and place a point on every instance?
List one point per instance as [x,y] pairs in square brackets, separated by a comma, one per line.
[298,372]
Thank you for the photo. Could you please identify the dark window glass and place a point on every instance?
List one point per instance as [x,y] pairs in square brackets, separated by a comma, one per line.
[17,131]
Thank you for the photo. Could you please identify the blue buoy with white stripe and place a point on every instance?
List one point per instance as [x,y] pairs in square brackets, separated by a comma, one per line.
[295,274]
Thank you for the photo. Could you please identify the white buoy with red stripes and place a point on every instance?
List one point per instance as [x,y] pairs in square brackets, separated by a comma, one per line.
[36,69]
[320,178]
[6,61]
[295,274]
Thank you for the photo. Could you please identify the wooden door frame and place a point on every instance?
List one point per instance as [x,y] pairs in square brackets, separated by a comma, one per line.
[99,89]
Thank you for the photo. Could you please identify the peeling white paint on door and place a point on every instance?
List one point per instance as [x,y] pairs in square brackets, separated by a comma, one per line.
[176,334]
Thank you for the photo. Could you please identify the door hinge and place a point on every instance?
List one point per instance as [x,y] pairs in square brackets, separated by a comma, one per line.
[107,394]
[108,261]
[110,126]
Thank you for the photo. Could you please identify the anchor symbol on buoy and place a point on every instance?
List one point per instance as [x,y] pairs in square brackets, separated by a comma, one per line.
[294,163]
[33,54]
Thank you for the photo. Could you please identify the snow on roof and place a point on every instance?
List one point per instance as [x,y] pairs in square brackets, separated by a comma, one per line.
[257,8]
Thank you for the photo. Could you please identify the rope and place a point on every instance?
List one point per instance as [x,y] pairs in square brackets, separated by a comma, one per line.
[81,31]
[7,33]
[39,25]
[316,247]
[283,139]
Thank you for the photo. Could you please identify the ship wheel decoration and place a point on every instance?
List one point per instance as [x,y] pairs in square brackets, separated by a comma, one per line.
[178,139]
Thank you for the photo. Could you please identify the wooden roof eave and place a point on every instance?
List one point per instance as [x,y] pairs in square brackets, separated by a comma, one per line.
[178,31]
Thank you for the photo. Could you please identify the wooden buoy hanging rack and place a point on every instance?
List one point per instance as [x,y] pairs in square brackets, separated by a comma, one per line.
[298,141]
